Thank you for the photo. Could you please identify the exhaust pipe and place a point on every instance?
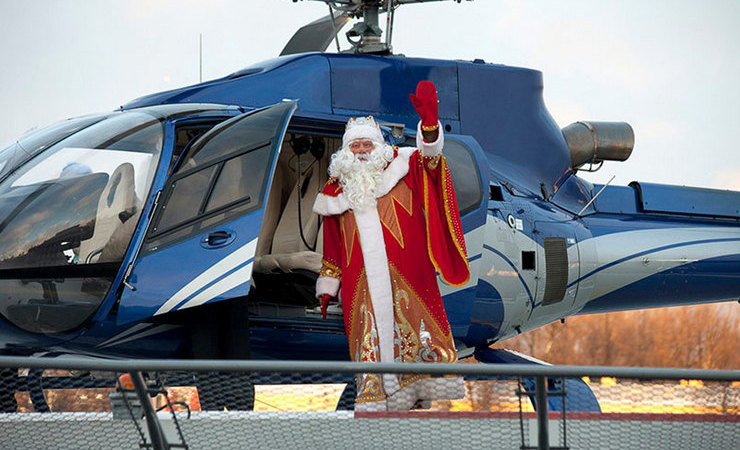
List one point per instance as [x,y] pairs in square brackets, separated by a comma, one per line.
[596,142]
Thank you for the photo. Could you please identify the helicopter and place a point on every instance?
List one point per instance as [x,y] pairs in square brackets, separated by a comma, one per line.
[180,225]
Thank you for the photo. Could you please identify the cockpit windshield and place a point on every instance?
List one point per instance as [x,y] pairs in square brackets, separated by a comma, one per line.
[27,146]
[67,216]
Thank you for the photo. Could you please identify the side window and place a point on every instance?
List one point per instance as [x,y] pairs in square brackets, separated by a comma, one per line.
[465,175]
[213,194]
[186,199]
[236,183]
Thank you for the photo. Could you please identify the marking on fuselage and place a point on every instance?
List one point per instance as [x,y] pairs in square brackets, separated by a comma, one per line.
[513,266]
[656,250]
[121,335]
[156,330]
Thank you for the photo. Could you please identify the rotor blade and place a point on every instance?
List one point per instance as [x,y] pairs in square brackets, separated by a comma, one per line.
[316,36]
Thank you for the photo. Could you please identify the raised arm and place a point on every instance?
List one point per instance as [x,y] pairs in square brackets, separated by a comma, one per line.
[431,179]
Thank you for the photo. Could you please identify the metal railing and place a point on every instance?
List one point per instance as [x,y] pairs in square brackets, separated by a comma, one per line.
[538,373]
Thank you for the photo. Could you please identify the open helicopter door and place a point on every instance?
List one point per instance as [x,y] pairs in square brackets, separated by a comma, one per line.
[201,242]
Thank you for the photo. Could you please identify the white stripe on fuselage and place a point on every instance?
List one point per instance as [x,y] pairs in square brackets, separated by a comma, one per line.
[226,284]
[613,247]
[136,328]
[156,330]
[216,271]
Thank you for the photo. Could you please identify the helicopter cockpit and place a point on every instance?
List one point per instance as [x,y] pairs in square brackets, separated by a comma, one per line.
[71,210]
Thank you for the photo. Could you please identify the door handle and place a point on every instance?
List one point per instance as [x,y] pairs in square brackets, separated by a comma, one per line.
[217,239]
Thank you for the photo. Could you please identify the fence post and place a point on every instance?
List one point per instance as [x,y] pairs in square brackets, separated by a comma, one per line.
[159,442]
[540,393]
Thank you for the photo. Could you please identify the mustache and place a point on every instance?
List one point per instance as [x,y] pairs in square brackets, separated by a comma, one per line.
[360,174]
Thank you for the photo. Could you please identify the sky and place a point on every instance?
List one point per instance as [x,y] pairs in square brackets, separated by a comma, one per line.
[668,67]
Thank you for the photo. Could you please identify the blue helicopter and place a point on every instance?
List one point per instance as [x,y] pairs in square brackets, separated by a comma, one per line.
[181,224]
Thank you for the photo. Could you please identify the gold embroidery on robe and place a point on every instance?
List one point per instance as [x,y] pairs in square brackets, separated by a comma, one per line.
[349,230]
[400,195]
[417,336]
[329,270]
[364,343]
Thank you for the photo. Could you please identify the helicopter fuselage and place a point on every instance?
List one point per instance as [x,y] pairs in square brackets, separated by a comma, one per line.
[181,255]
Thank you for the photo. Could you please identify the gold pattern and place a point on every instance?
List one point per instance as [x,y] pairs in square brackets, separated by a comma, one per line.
[400,195]
[455,229]
[329,270]
[432,161]
[429,127]
[370,388]
[365,342]
[360,287]
[349,230]
[414,311]
[369,346]
[406,339]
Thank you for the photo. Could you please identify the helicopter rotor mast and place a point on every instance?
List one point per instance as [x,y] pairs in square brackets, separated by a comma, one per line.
[365,35]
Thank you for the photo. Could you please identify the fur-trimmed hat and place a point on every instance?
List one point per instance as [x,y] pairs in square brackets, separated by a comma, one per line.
[362,128]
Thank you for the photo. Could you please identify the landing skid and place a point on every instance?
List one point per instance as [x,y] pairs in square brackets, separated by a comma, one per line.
[578,396]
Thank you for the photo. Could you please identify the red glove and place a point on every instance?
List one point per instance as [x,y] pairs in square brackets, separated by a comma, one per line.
[425,102]
[325,300]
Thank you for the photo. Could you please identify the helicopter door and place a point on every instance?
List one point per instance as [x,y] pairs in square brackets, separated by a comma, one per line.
[465,158]
[201,242]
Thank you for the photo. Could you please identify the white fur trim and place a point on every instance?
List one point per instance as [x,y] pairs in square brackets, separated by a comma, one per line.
[379,285]
[330,206]
[327,285]
[372,406]
[443,388]
[437,388]
[426,389]
[430,148]
[362,132]
[397,169]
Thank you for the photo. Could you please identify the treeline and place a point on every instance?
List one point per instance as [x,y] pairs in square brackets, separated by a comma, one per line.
[702,337]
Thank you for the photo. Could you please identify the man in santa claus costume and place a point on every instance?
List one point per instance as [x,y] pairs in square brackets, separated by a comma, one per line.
[390,224]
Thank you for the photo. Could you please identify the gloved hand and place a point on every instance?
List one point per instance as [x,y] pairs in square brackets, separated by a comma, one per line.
[325,300]
[425,102]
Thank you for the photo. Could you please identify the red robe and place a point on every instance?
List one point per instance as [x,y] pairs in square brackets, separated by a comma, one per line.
[383,261]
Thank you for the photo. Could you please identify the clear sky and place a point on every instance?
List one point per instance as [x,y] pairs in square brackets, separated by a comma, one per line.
[670,68]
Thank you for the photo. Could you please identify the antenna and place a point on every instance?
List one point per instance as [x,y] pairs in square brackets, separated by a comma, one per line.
[594,197]
[200,58]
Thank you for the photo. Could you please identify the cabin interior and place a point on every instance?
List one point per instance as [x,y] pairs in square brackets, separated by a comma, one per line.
[290,245]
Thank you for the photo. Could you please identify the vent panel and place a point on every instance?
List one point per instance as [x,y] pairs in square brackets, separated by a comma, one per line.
[556,270]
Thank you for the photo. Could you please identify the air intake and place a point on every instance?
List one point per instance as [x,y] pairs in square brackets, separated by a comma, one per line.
[556,270]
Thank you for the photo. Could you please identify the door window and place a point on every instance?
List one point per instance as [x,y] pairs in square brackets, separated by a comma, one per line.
[222,176]
[235,182]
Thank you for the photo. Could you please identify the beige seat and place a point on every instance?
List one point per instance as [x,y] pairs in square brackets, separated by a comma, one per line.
[287,250]
[116,206]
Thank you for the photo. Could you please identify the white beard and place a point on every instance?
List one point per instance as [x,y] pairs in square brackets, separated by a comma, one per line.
[360,175]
